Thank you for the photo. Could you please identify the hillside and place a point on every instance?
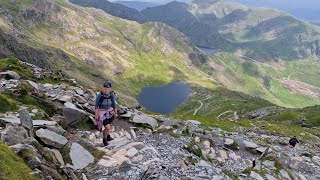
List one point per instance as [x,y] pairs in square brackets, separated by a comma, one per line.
[258,33]
[45,128]
[114,9]
[92,46]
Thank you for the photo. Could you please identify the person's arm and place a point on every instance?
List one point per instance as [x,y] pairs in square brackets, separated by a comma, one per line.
[114,105]
[96,106]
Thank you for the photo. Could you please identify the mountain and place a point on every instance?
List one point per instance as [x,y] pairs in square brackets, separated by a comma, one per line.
[259,33]
[91,46]
[115,9]
[305,10]
[138,5]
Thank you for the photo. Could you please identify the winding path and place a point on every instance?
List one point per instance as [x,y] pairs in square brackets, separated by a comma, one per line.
[201,104]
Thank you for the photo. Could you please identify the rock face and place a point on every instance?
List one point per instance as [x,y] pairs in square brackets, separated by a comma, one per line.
[14,134]
[144,119]
[26,121]
[80,157]
[51,138]
[73,115]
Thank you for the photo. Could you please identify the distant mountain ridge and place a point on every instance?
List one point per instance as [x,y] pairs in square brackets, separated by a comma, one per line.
[114,9]
[307,10]
[259,33]
[138,5]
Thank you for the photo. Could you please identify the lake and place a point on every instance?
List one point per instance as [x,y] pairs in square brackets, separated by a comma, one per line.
[164,99]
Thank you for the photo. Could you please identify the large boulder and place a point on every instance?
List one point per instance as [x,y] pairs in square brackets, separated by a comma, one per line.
[14,134]
[80,157]
[51,138]
[74,115]
[250,145]
[231,144]
[9,75]
[25,120]
[144,119]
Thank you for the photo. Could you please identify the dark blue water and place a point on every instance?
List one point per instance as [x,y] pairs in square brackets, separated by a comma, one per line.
[207,50]
[164,99]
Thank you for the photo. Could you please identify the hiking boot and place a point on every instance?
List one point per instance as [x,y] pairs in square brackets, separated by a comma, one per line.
[105,142]
[109,138]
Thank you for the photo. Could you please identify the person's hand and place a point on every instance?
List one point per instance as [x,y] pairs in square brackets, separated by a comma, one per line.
[97,118]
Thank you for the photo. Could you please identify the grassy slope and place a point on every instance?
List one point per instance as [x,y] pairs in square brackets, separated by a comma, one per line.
[100,45]
[247,76]
[11,166]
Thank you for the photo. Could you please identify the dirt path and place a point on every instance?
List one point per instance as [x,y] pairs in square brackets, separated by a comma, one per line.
[201,104]
[223,114]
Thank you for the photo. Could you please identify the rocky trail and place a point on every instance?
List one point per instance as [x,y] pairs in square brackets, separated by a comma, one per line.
[65,145]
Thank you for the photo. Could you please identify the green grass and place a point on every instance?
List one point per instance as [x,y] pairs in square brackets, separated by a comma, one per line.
[231,175]
[7,104]
[15,65]
[249,76]
[12,167]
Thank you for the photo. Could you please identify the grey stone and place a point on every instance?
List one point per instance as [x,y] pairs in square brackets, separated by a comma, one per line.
[128,114]
[131,152]
[10,75]
[302,177]
[25,120]
[35,111]
[269,177]
[58,156]
[316,160]
[250,145]
[228,142]
[192,122]
[33,84]
[144,119]
[79,91]
[51,138]
[73,115]
[80,157]
[64,98]
[80,99]
[255,175]
[263,149]
[34,162]
[269,164]
[137,158]
[43,122]
[56,129]
[13,134]
[203,163]
[284,174]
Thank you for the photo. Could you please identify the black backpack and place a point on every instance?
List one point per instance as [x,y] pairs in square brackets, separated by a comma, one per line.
[103,97]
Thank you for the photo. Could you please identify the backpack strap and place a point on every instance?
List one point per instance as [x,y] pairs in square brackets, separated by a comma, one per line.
[102,97]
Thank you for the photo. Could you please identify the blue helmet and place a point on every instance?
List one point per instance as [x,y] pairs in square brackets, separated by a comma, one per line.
[107,84]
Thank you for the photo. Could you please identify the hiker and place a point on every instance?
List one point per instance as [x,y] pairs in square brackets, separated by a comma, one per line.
[106,111]
[293,141]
